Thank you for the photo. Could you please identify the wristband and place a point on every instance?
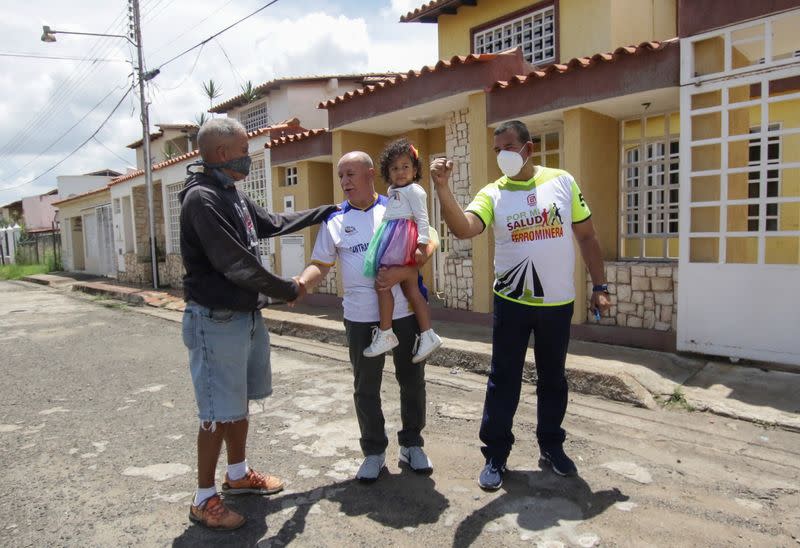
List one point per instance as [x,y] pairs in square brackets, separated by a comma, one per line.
[601,288]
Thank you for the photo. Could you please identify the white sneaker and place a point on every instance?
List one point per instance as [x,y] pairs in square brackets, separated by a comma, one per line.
[371,468]
[382,342]
[428,342]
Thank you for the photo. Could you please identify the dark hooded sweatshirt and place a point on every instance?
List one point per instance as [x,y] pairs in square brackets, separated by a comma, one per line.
[220,228]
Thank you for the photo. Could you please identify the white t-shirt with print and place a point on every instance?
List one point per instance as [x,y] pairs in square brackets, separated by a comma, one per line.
[534,256]
[409,202]
[346,235]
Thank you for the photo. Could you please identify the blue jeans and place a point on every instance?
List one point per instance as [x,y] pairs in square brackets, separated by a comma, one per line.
[513,324]
[228,359]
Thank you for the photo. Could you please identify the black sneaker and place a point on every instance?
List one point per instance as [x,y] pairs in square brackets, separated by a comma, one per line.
[558,461]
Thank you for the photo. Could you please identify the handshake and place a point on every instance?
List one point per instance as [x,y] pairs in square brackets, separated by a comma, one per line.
[301,290]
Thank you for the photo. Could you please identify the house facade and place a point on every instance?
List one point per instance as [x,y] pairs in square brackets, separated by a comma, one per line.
[87,234]
[602,86]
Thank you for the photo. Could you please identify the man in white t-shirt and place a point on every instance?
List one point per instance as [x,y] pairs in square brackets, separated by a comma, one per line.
[345,236]
[534,212]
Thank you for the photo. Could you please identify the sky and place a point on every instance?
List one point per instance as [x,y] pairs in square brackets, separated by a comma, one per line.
[49,107]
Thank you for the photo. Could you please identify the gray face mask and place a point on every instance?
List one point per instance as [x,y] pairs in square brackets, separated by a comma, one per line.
[239,165]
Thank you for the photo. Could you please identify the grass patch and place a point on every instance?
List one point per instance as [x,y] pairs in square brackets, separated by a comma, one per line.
[17,271]
[677,400]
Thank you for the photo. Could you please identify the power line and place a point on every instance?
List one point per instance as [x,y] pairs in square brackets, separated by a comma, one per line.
[36,56]
[152,13]
[65,89]
[80,146]
[236,74]
[127,162]
[194,65]
[229,27]
[194,26]
[73,126]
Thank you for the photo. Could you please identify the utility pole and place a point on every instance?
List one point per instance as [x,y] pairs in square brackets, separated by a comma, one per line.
[136,30]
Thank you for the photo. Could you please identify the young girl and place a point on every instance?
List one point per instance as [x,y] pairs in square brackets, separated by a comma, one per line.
[404,230]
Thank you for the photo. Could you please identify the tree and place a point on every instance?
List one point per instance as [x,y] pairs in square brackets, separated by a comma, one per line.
[212,91]
[201,119]
[249,93]
[170,151]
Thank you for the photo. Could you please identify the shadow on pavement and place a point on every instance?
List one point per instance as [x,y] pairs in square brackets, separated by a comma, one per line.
[396,500]
[540,500]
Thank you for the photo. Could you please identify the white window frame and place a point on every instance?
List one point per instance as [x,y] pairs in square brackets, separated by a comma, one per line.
[542,155]
[254,117]
[288,203]
[649,208]
[772,209]
[174,213]
[723,234]
[511,34]
[290,178]
[255,186]
[688,75]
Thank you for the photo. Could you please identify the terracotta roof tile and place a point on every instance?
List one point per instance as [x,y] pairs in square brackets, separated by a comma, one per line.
[430,11]
[79,196]
[401,78]
[583,62]
[292,123]
[156,167]
[266,87]
[295,137]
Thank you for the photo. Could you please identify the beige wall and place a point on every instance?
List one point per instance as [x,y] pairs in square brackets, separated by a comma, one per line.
[314,188]
[591,155]
[584,27]
[482,172]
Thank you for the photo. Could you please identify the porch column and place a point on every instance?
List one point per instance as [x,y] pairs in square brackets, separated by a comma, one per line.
[482,171]
[591,155]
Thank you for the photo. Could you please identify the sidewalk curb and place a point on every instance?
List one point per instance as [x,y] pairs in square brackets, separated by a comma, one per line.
[613,386]
[130,295]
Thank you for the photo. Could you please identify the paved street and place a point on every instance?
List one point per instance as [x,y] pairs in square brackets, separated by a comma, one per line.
[97,425]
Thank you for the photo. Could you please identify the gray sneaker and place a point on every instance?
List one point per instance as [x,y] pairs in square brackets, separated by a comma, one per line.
[371,468]
[416,459]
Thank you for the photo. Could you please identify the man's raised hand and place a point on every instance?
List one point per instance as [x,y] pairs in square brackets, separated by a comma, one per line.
[441,168]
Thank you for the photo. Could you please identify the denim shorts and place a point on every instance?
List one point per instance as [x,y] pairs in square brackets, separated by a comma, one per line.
[228,359]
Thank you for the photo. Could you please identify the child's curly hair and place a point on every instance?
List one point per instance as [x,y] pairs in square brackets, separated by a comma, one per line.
[394,150]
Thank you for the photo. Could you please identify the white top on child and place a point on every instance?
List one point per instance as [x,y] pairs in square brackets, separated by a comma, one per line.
[409,202]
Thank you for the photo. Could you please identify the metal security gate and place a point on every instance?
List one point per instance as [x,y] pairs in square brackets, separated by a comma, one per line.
[105,241]
[437,222]
[740,191]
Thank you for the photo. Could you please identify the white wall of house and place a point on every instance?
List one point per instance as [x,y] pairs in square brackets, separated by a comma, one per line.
[303,99]
[72,185]
[124,232]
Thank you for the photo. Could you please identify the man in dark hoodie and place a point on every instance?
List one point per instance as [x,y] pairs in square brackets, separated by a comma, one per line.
[225,287]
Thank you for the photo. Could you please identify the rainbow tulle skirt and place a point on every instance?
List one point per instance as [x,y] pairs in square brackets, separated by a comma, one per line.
[393,244]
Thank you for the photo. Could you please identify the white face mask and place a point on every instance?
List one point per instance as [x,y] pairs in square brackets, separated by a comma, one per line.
[510,162]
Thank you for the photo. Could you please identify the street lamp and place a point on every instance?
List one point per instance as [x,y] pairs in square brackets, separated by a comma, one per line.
[48,35]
